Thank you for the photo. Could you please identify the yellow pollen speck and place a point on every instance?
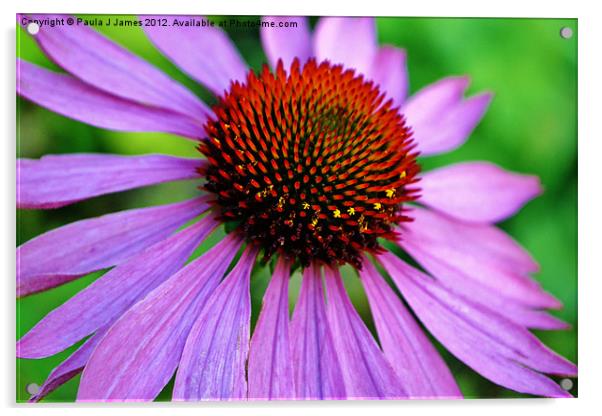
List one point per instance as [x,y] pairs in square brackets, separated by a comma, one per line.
[314,222]
[267,190]
[305,205]
[336,213]
[351,211]
[402,174]
[390,192]
[377,206]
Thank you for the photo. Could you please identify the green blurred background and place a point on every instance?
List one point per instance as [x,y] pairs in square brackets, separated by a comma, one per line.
[531,127]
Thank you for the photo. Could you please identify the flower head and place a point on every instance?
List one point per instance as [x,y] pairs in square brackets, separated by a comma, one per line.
[311,166]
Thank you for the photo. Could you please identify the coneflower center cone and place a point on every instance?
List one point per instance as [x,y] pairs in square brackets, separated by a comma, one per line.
[311,163]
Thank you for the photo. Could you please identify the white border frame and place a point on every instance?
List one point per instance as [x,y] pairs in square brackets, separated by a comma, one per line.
[590,207]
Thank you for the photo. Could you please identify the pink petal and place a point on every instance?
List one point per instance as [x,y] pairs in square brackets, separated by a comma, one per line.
[436,99]
[501,351]
[419,366]
[389,72]
[515,310]
[58,180]
[102,63]
[477,240]
[69,368]
[113,294]
[286,43]
[75,99]
[350,41]
[213,364]
[206,54]
[270,364]
[440,118]
[141,351]
[463,247]
[316,369]
[477,191]
[366,371]
[82,247]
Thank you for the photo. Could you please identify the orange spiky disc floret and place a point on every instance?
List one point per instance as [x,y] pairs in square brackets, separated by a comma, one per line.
[312,164]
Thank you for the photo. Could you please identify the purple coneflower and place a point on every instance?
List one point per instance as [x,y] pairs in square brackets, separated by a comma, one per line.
[312,166]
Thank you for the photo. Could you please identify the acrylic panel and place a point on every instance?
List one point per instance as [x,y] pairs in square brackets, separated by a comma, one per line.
[295,208]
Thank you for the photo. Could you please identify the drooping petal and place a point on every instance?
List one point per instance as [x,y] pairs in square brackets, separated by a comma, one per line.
[286,43]
[73,98]
[213,364]
[206,54]
[58,180]
[316,368]
[461,246]
[477,191]
[141,351]
[366,371]
[478,240]
[440,118]
[419,366]
[69,368]
[102,63]
[516,309]
[113,294]
[498,349]
[82,247]
[389,71]
[270,363]
[350,41]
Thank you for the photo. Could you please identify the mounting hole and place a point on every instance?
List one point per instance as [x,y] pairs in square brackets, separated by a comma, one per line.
[33,28]
[32,388]
[566,384]
[566,33]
